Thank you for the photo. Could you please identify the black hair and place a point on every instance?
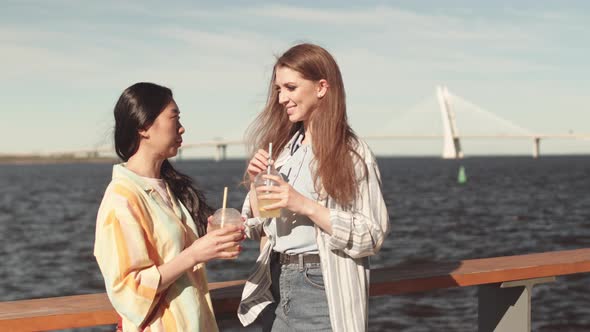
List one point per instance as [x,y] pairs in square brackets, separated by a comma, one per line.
[137,109]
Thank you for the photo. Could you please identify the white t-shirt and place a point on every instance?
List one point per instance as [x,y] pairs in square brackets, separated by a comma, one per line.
[160,186]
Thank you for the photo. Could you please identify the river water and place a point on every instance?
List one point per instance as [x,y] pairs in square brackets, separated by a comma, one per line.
[509,205]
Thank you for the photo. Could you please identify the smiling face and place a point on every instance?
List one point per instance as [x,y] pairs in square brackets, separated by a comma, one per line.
[299,97]
[164,136]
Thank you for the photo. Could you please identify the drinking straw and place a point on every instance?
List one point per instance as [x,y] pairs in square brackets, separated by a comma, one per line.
[269,158]
[223,206]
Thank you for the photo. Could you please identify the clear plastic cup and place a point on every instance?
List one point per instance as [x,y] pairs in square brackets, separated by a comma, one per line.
[260,181]
[230,217]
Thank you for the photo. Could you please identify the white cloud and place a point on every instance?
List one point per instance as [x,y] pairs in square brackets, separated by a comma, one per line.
[546,15]
[29,62]
[413,24]
[227,43]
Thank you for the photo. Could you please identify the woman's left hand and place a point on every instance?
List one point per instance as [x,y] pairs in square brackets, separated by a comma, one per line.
[287,197]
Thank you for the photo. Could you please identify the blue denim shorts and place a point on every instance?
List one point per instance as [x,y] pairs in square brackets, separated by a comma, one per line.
[300,299]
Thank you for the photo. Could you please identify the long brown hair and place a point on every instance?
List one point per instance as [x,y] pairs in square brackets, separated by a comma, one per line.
[333,140]
[137,108]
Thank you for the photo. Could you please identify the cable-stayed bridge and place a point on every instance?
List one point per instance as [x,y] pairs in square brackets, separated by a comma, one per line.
[458,120]
[461,120]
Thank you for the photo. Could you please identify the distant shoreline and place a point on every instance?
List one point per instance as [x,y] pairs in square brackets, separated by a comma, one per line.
[46,160]
[36,160]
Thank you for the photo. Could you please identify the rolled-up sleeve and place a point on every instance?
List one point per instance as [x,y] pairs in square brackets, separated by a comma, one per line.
[360,231]
[121,250]
[253,225]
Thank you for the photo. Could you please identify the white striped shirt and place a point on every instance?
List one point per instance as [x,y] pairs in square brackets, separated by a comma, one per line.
[356,234]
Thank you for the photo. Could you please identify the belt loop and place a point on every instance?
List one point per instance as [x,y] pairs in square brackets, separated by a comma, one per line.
[300,256]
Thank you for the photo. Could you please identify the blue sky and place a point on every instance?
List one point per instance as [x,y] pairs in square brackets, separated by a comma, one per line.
[64,64]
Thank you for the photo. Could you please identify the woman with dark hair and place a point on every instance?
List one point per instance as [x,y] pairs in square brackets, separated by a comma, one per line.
[313,269]
[151,241]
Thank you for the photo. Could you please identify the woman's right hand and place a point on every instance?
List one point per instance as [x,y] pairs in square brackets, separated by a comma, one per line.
[257,164]
[213,244]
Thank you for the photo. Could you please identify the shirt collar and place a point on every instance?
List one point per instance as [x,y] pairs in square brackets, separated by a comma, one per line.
[295,142]
[120,171]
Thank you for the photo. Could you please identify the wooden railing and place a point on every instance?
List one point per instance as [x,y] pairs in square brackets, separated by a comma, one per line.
[504,296]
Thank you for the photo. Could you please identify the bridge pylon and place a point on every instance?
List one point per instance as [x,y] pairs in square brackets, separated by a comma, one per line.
[451,142]
[221,152]
[536,147]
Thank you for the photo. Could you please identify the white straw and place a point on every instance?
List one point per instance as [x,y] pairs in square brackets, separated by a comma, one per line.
[269,158]
[223,206]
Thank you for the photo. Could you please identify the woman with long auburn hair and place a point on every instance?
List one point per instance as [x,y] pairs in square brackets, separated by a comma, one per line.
[151,241]
[313,269]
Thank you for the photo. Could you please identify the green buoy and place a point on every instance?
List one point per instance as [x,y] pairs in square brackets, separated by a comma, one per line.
[461,177]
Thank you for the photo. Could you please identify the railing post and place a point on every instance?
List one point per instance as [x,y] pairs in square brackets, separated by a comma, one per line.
[506,307]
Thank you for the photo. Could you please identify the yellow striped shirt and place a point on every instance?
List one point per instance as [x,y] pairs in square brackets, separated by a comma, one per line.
[136,232]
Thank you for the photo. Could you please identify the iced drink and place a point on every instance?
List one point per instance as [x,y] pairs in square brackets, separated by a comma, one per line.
[268,213]
[260,181]
[230,217]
